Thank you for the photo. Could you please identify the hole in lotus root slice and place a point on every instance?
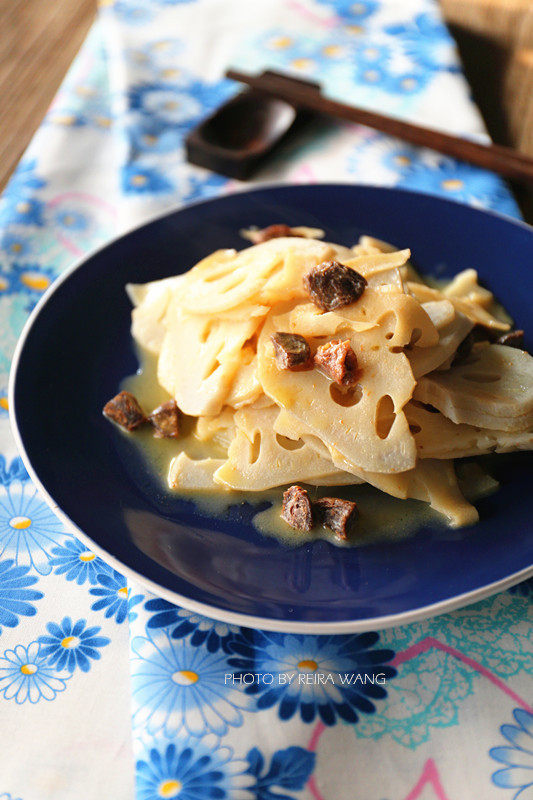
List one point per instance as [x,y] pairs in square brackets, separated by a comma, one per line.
[345,396]
[289,444]
[215,364]
[337,419]
[415,336]
[256,448]
[385,416]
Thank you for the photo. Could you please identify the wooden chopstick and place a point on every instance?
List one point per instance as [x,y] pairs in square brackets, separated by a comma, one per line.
[308,96]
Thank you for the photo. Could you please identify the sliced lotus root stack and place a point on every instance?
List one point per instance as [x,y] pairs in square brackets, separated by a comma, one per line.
[259,458]
[200,357]
[438,437]
[471,308]
[426,359]
[366,423]
[492,389]
[247,277]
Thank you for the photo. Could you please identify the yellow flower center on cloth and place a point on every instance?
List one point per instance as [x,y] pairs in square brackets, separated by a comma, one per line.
[171,105]
[408,83]
[403,161]
[371,75]
[3,400]
[282,42]
[19,523]
[355,30]
[3,284]
[149,139]
[28,669]
[332,50]
[123,592]
[171,72]
[16,247]
[452,184]
[139,180]
[302,63]
[33,281]
[87,556]
[69,642]
[308,664]
[169,789]
[185,677]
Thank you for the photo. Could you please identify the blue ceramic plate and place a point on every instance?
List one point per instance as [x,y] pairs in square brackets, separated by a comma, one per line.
[76,348]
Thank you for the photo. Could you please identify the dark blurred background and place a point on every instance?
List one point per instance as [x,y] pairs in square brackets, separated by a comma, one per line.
[39,39]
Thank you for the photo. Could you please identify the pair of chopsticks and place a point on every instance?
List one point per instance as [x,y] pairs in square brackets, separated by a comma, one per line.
[308,96]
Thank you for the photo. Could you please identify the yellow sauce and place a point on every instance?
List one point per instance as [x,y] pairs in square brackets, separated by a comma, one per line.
[381,517]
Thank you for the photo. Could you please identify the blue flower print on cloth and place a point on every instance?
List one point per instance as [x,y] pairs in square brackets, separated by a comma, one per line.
[165,104]
[204,769]
[114,595]
[73,560]
[137,179]
[363,669]
[426,171]
[517,756]
[28,529]
[70,645]
[19,204]
[177,687]
[193,771]
[159,115]
[16,471]
[25,675]
[180,622]
[16,598]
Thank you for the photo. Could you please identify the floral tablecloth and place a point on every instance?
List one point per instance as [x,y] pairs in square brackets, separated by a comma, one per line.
[109,692]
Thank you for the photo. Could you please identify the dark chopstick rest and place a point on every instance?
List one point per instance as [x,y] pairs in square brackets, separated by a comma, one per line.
[307,96]
[239,135]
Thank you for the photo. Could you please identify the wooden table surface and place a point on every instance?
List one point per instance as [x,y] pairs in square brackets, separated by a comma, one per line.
[39,39]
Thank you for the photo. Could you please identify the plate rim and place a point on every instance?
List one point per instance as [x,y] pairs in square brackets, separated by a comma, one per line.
[214,612]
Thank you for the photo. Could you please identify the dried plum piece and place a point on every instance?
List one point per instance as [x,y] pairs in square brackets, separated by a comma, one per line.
[124,409]
[166,420]
[337,360]
[292,351]
[332,285]
[512,339]
[336,514]
[296,510]
[272,232]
